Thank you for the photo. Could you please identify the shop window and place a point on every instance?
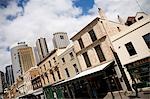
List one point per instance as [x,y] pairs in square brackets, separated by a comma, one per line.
[130,49]
[147,39]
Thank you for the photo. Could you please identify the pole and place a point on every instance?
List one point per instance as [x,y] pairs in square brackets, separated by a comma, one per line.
[121,70]
[109,86]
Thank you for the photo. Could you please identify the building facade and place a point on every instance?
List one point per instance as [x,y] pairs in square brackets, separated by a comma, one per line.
[9,75]
[2,82]
[133,49]
[60,40]
[42,48]
[16,65]
[26,58]
[69,65]
[50,69]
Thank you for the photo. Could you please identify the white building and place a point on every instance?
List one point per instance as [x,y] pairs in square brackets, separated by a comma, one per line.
[60,40]
[133,48]
[41,48]
[16,65]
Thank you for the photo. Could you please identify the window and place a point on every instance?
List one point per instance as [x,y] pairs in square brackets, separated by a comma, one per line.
[75,67]
[71,55]
[54,59]
[49,63]
[141,17]
[67,72]
[87,60]
[53,75]
[46,77]
[44,67]
[61,37]
[147,39]
[81,43]
[92,35]
[99,53]
[119,29]
[130,49]
[63,60]
[58,73]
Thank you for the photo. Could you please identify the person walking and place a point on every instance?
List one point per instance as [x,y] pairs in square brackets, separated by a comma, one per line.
[134,86]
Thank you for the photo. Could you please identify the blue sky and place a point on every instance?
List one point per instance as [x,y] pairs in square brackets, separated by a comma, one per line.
[27,20]
[86,5]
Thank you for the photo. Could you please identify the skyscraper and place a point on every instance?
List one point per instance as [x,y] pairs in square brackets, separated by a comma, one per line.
[26,58]
[60,40]
[9,75]
[42,48]
[22,59]
[16,65]
[2,82]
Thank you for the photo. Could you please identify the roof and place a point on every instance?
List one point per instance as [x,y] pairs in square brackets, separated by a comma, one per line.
[51,53]
[68,47]
[87,72]
[95,20]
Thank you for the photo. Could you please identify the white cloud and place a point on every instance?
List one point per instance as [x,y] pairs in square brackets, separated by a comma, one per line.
[44,17]
[41,19]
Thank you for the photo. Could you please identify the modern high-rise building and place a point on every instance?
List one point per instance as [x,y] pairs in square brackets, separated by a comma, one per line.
[2,82]
[36,55]
[42,47]
[9,75]
[60,40]
[16,65]
[26,58]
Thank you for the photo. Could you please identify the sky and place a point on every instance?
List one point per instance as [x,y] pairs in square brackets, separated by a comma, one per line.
[27,20]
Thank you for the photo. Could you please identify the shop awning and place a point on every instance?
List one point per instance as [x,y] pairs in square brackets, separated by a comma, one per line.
[86,72]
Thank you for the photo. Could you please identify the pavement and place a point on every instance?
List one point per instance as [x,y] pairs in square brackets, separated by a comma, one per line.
[121,95]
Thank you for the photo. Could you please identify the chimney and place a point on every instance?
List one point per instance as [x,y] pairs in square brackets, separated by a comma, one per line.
[120,20]
[101,14]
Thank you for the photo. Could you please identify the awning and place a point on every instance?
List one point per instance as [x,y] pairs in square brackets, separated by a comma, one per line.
[38,91]
[86,72]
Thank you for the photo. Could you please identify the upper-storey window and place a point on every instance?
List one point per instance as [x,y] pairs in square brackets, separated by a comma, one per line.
[87,60]
[63,60]
[92,35]
[141,17]
[130,49]
[147,39]
[71,55]
[81,43]
[99,53]
[61,37]
[49,63]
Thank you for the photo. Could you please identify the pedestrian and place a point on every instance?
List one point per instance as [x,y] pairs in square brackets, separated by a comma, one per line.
[134,86]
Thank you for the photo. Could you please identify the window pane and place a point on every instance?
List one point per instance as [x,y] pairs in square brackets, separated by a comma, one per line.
[147,39]
[92,35]
[67,72]
[130,49]
[87,60]
[99,53]
[81,43]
